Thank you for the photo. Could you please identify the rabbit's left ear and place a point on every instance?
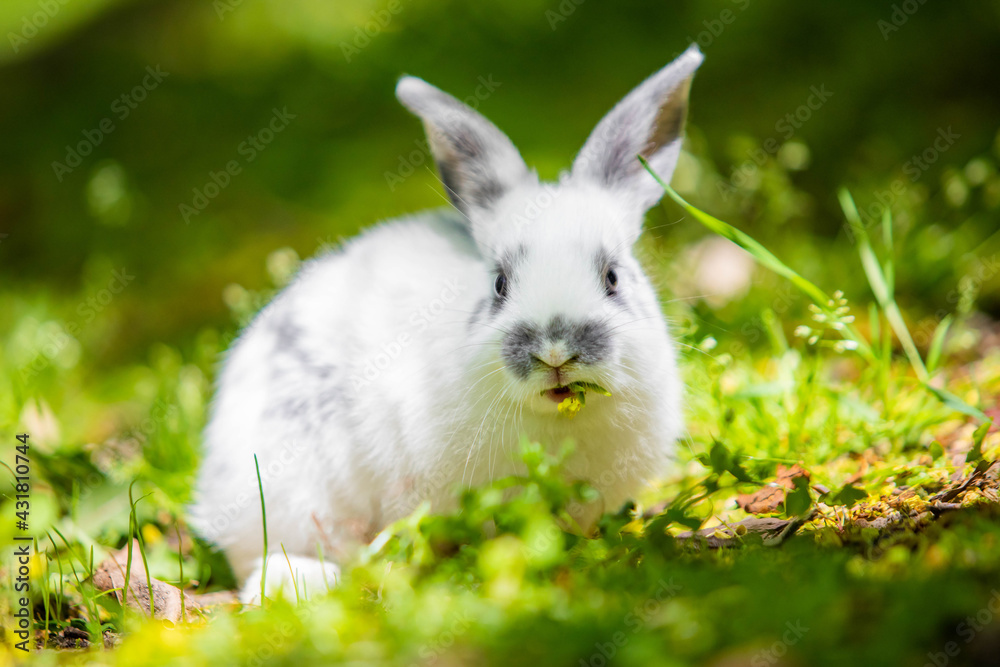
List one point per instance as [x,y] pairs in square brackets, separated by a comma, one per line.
[477,162]
[647,122]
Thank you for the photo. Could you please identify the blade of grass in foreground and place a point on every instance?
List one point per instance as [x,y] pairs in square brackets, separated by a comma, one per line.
[263,513]
[135,533]
[764,257]
[180,561]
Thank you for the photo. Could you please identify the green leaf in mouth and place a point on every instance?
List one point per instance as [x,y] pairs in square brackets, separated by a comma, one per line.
[589,386]
[581,387]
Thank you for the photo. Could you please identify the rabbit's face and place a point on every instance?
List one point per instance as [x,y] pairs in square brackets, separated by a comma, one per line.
[568,302]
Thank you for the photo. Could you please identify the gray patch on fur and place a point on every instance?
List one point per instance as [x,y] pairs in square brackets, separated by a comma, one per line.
[478,311]
[332,399]
[292,407]
[507,265]
[648,122]
[294,395]
[287,341]
[588,342]
[602,261]
[519,347]
[476,161]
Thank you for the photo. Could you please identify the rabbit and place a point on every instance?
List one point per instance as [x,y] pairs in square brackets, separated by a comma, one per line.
[411,360]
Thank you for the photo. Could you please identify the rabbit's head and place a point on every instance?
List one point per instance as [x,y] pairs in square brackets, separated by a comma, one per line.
[566,300]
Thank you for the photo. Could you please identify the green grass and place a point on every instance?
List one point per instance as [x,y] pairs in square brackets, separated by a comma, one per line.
[263,521]
[829,376]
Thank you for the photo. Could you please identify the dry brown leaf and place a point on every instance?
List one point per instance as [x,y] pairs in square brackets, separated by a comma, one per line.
[994,414]
[771,497]
[763,501]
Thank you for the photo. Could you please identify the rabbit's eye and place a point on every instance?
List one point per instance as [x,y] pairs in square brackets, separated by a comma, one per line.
[611,282]
[500,286]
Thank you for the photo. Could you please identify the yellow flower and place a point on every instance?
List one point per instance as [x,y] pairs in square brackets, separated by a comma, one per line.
[571,405]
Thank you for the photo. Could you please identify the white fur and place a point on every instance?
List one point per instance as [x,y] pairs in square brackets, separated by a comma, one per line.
[376,379]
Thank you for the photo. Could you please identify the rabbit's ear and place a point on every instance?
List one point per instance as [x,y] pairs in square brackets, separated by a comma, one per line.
[477,162]
[647,122]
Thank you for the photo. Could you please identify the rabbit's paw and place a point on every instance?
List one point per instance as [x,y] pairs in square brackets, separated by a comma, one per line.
[296,577]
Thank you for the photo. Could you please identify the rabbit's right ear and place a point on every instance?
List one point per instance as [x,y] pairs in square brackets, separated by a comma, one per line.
[647,122]
[477,162]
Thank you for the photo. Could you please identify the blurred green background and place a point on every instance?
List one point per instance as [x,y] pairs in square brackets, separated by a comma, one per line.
[116,303]
[895,81]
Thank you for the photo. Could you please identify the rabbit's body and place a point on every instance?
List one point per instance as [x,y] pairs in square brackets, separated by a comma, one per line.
[415,358]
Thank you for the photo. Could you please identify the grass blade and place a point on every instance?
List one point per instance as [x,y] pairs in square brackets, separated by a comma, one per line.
[881,287]
[957,404]
[291,570]
[93,620]
[937,343]
[263,513]
[134,522]
[45,589]
[180,562]
[883,291]
[763,256]
[890,267]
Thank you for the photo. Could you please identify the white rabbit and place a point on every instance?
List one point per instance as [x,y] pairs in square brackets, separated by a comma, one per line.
[412,360]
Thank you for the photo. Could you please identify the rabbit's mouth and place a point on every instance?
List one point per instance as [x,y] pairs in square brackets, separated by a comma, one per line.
[559,394]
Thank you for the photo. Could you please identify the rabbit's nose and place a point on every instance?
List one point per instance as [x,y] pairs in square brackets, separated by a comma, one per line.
[555,354]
